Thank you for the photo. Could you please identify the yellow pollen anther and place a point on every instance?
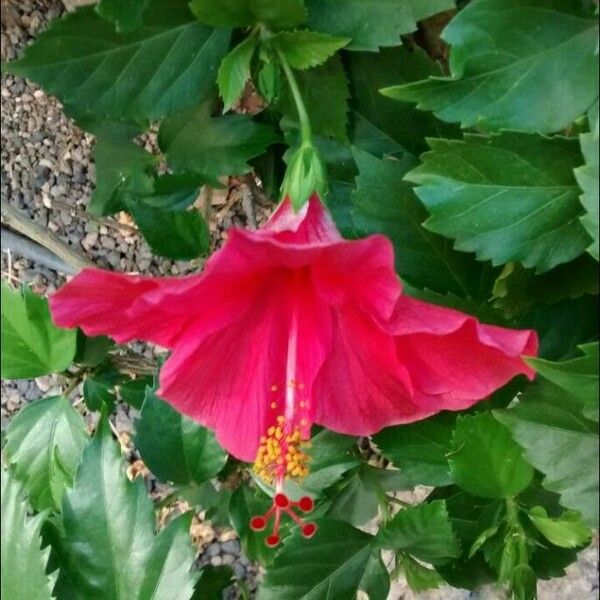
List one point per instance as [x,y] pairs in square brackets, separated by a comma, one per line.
[281,419]
[273,405]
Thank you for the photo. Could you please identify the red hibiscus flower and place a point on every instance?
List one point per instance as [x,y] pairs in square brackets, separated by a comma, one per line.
[293,325]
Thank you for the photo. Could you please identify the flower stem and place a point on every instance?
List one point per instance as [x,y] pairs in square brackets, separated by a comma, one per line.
[305,127]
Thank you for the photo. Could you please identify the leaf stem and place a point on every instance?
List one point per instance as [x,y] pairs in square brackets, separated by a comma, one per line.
[305,126]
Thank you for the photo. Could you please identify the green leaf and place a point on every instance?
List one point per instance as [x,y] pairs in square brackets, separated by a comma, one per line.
[44,441]
[485,460]
[166,65]
[122,168]
[91,351]
[125,15]
[369,72]
[235,71]
[567,531]
[512,65]
[517,289]
[558,440]
[225,146]
[177,191]
[110,550]
[240,13]
[174,447]
[384,203]
[333,567]
[424,531]
[375,581]
[306,49]
[587,177]
[31,344]
[180,235]
[372,23]
[419,577]
[23,563]
[506,197]
[213,582]
[324,90]
[304,176]
[99,387]
[419,449]
[132,391]
[167,569]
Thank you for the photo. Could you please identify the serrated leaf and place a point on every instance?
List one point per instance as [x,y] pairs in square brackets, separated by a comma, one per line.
[125,15]
[375,582]
[23,564]
[305,49]
[512,65]
[333,568]
[325,93]
[485,461]
[241,13]
[368,72]
[180,235]
[235,71]
[566,531]
[506,197]
[167,571]
[109,549]
[424,531]
[517,289]
[122,168]
[31,344]
[419,577]
[372,23]
[225,146]
[174,447]
[213,582]
[168,64]
[384,203]
[587,177]
[419,449]
[44,442]
[558,440]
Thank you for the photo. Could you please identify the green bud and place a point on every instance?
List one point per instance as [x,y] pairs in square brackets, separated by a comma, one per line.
[305,175]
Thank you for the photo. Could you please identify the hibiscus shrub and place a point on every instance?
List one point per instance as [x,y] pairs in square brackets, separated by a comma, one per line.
[420,310]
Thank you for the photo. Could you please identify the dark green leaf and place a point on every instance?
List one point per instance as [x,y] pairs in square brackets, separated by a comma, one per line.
[122,168]
[419,449]
[424,531]
[512,64]
[368,72]
[306,49]
[44,442]
[506,197]
[167,571]
[133,391]
[125,15]
[174,447]
[23,562]
[99,387]
[213,582]
[180,235]
[240,13]
[331,567]
[587,177]
[235,71]
[225,146]
[167,64]
[31,344]
[176,191]
[485,460]
[372,23]
[91,351]
[418,577]
[384,203]
[325,93]
[567,531]
[375,581]
[548,422]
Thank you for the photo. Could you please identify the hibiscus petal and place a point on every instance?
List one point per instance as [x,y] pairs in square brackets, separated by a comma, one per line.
[362,387]
[230,380]
[453,359]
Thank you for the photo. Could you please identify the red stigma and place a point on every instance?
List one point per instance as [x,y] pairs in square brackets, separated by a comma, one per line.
[282,504]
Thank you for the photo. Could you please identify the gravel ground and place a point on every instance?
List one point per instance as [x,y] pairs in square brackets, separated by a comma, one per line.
[47,172]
